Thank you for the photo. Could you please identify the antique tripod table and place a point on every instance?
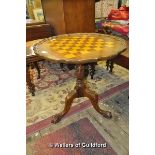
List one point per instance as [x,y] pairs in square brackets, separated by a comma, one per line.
[80,49]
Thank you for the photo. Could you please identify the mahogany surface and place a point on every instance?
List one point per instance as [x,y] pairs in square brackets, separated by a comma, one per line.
[70,16]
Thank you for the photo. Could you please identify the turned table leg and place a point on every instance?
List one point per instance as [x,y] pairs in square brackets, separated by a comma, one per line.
[109,65]
[38,69]
[62,66]
[81,90]
[29,80]
[70,66]
[92,69]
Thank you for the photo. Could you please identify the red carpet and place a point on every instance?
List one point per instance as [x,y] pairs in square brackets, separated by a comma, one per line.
[78,133]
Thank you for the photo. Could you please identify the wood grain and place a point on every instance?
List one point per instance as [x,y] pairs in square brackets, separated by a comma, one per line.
[70,16]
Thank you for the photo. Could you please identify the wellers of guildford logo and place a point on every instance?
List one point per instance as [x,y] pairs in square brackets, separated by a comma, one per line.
[84,145]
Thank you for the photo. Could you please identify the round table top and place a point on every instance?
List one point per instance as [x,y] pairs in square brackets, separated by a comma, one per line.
[80,48]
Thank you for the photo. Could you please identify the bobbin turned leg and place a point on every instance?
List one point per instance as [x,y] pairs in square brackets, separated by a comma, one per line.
[62,66]
[92,69]
[38,69]
[80,90]
[29,80]
[111,66]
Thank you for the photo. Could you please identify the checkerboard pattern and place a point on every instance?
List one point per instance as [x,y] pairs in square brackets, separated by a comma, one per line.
[72,46]
[80,46]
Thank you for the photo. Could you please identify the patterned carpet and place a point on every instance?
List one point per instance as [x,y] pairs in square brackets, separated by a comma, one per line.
[78,138]
[55,84]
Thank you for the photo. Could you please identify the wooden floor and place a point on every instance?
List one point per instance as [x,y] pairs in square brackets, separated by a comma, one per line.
[115,131]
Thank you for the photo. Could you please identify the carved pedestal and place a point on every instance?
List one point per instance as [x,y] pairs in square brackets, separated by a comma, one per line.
[81,90]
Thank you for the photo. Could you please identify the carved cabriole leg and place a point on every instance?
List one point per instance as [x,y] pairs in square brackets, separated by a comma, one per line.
[29,80]
[38,69]
[68,102]
[94,100]
[72,95]
[80,90]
